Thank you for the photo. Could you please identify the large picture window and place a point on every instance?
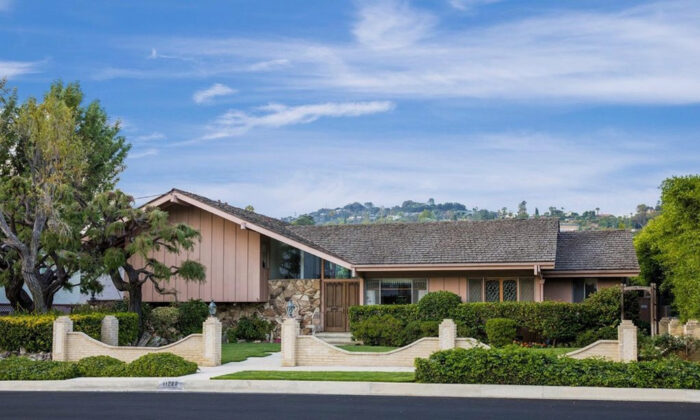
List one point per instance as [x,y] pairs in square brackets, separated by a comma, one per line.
[394,291]
[508,289]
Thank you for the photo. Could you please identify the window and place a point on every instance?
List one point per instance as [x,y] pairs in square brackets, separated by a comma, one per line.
[334,271]
[394,291]
[501,289]
[582,288]
[287,262]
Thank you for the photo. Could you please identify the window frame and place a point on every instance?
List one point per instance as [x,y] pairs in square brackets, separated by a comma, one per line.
[379,280]
[500,280]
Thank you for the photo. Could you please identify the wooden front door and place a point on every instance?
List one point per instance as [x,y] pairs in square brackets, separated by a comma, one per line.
[338,297]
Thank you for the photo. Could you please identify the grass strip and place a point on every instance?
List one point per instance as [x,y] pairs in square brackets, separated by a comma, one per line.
[277,375]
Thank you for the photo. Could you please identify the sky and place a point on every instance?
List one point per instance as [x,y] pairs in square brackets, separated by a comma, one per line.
[292,106]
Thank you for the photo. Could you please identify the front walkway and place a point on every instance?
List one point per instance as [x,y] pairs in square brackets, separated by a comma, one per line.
[274,362]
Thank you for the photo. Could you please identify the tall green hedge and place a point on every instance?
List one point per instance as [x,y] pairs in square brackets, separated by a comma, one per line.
[559,322]
[35,332]
[517,366]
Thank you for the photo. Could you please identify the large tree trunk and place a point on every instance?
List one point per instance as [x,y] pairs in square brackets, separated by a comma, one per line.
[18,297]
[135,305]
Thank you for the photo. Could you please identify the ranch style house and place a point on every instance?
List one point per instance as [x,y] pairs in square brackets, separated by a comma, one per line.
[255,264]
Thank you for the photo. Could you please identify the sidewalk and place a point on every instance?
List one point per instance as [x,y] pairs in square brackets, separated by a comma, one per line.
[200,382]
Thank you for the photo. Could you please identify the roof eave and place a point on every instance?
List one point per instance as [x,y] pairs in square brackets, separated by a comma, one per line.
[455,266]
[590,273]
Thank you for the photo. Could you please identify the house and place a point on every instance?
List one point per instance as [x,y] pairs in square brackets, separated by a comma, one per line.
[255,263]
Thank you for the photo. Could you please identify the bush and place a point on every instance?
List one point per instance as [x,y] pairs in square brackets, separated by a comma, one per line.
[384,330]
[436,306]
[101,366]
[666,345]
[501,331]
[416,330]
[250,329]
[35,332]
[163,321]
[160,364]
[591,336]
[192,315]
[24,369]
[404,313]
[516,366]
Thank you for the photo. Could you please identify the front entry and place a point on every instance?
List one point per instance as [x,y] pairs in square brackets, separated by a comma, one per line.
[338,297]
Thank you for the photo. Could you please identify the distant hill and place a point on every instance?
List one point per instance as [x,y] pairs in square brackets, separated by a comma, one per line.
[413,211]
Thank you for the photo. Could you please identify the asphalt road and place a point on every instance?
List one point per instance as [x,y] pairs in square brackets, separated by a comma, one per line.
[180,405]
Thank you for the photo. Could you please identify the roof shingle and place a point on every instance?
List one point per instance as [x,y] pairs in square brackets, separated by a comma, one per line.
[596,250]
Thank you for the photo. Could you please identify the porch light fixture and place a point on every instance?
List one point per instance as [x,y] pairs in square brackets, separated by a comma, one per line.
[212,308]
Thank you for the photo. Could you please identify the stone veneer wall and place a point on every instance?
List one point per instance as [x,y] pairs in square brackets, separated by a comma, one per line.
[305,294]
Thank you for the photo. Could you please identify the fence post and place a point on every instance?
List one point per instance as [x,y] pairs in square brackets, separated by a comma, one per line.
[59,348]
[675,328]
[692,328]
[109,333]
[211,335]
[290,330]
[663,325]
[447,334]
[627,341]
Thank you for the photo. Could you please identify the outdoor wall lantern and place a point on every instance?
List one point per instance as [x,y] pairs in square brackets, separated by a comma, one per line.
[212,308]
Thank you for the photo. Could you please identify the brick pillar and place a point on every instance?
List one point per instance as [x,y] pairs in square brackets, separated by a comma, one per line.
[663,325]
[627,341]
[211,335]
[692,328]
[59,349]
[290,331]
[448,334]
[675,328]
[110,330]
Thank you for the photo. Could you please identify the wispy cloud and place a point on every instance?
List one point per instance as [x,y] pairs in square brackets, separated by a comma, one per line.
[269,65]
[470,5]
[217,89]
[642,54]
[11,69]
[235,123]
[149,137]
[143,153]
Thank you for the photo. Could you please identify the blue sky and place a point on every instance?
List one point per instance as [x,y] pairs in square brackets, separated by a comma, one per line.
[291,106]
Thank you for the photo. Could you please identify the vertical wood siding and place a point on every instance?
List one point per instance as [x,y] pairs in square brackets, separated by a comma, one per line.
[231,256]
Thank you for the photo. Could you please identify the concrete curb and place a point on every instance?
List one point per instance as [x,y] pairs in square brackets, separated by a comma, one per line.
[355,388]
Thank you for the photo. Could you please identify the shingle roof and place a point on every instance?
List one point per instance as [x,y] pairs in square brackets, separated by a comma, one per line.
[596,250]
[494,241]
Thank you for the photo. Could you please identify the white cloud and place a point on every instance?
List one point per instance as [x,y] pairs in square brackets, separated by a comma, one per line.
[642,54]
[235,123]
[143,153]
[150,137]
[10,69]
[217,89]
[391,24]
[269,65]
[470,5]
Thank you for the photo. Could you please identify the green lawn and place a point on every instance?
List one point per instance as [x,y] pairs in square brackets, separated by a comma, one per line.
[320,376]
[238,352]
[373,349]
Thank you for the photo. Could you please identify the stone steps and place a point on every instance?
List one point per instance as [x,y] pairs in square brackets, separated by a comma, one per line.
[336,338]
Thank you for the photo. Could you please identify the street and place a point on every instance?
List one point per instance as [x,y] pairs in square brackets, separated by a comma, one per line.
[180,405]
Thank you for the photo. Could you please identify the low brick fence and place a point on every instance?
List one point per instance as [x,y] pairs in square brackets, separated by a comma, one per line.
[674,327]
[307,350]
[69,346]
[624,349]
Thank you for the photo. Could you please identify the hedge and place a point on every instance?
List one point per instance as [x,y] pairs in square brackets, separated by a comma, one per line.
[556,322]
[501,331]
[151,365]
[34,332]
[517,366]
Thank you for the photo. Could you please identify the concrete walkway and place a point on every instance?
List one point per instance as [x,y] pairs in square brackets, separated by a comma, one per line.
[274,362]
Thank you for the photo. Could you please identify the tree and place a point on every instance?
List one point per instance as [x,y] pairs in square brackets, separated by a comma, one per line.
[522,210]
[537,213]
[54,156]
[426,216]
[121,241]
[304,220]
[249,207]
[669,245]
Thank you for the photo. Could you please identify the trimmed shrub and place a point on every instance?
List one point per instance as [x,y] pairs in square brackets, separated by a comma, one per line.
[101,366]
[24,369]
[416,330]
[591,336]
[250,329]
[404,313]
[384,330]
[160,364]
[436,306]
[501,331]
[163,320]
[35,332]
[192,315]
[517,366]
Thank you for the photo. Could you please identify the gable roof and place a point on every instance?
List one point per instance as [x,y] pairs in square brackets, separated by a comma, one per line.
[455,242]
[596,250]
